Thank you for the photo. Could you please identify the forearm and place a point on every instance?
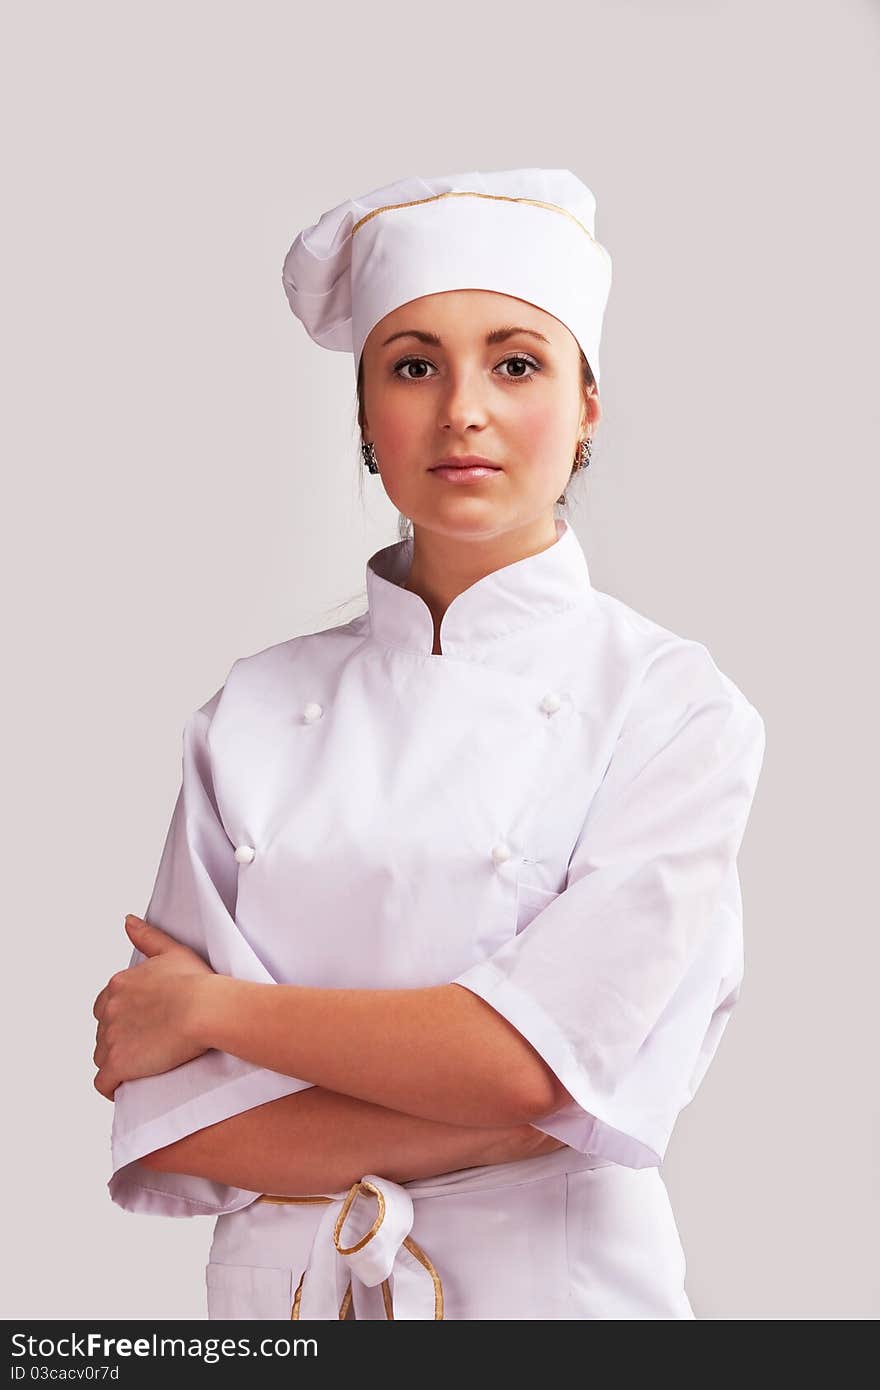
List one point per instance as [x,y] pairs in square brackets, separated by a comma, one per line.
[440,1053]
[319,1141]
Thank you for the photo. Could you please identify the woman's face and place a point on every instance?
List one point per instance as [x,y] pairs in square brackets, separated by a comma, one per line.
[444,376]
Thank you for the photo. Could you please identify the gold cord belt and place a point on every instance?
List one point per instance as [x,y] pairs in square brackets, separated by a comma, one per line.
[325,1287]
[388,1236]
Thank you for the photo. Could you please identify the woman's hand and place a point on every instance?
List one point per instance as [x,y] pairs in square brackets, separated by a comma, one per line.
[146,1013]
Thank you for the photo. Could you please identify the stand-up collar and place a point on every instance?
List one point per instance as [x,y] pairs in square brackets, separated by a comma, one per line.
[507,602]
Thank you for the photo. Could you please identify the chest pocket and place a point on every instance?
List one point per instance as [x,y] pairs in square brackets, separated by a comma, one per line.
[530,900]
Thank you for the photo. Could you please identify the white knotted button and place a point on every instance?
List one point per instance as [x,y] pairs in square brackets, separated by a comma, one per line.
[245,854]
[500,852]
[551,702]
[312,712]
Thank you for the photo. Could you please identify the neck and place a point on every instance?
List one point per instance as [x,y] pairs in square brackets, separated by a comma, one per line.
[443,566]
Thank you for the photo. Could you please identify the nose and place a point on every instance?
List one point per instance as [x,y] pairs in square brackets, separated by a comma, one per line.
[463,405]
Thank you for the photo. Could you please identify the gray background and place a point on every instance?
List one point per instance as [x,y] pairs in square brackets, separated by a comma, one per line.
[182,486]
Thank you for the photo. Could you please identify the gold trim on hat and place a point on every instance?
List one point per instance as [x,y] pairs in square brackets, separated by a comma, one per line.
[497,197]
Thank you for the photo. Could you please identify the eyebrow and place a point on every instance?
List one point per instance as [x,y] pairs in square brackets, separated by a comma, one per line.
[498,335]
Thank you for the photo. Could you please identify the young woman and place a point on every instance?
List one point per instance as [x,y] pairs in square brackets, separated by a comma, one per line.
[447,926]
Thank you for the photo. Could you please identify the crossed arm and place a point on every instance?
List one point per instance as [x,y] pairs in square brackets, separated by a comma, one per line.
[318,1141]
[408,1082]
[441,1053]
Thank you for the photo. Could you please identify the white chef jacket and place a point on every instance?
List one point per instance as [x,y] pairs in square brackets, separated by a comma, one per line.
[549,814]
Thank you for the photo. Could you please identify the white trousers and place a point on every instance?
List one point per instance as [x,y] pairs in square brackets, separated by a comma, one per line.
[561,1236]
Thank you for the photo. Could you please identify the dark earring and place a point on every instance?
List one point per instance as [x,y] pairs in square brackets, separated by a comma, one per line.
[584,453]
[370,459]
[581,460]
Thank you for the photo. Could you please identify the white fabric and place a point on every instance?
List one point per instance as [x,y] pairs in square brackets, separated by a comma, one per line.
[561,1236]
[356,1254]
[529,233]
[417,819]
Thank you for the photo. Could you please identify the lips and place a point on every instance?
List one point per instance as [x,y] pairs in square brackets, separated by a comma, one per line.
[465,461]
[461,472]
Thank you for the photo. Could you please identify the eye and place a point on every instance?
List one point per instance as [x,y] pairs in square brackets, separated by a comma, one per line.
[518,357]
[408,362]
[528,362]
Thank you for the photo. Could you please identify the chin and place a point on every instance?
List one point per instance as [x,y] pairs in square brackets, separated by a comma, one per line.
[467,520]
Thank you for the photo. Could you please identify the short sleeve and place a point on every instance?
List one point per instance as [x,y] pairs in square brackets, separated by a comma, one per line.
[624,983]
[193,900]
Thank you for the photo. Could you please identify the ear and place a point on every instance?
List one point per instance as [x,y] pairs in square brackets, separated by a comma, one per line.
[584,420]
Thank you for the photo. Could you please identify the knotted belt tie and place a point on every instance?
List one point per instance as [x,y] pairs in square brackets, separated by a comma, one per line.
[386,1254]
[324,1290]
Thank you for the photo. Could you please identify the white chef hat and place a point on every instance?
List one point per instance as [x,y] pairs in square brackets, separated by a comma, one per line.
[529,233]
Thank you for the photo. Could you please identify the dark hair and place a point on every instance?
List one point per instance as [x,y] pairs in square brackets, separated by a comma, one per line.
[404,525]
